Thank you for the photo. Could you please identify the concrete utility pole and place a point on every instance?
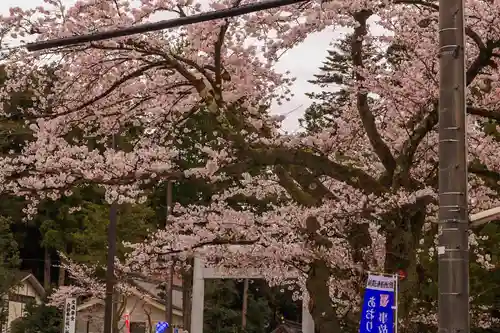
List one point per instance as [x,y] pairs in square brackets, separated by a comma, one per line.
[170,272]
[453,254]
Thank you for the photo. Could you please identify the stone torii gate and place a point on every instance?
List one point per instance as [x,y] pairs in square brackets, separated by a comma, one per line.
[200,273]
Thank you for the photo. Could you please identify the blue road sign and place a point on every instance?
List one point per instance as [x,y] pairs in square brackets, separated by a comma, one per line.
[378,305]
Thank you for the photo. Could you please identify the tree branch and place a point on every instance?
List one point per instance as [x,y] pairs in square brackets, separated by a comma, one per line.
[310,183]
[367,118]
[431,120]
[418,2]
[319,165]
[218,53]
[490,114]
[410,146]
[298,195]
[217,241]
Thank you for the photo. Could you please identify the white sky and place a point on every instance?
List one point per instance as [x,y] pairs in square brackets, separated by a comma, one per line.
[302,61]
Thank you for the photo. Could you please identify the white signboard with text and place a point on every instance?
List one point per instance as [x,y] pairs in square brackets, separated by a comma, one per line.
[70,315]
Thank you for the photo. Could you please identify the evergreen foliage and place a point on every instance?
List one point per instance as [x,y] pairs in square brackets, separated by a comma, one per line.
[38,319]
[334,79]
[267,307]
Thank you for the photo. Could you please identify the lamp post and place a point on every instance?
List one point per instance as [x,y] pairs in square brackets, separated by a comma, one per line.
[484,217]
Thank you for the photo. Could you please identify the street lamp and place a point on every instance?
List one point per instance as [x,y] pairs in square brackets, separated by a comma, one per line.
[486,216]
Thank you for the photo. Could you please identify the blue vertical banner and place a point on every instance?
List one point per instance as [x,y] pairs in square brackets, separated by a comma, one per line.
[377,315]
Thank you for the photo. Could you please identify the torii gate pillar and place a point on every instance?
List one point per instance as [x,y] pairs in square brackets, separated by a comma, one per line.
[198,300]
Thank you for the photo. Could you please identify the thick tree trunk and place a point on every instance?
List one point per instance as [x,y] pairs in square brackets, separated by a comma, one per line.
[401,248]
[187,286]
[47,263]
[320,305]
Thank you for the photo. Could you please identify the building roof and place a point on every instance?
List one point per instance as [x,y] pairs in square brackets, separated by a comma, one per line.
[25,276]
[147,291]
[152,289]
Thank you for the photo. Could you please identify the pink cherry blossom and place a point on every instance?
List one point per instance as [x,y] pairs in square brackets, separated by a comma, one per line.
[340,201]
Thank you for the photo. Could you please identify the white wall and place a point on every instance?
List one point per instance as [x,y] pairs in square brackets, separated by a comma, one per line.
[16,308]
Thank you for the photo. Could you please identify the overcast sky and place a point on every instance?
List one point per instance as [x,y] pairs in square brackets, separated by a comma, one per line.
[302,62]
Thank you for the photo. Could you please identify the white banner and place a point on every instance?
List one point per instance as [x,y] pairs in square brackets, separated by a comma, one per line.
[381,282]
[70,315]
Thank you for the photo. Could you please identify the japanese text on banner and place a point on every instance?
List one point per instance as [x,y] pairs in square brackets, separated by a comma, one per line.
[378,305]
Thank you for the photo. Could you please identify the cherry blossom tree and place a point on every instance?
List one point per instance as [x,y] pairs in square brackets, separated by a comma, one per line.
[324,207]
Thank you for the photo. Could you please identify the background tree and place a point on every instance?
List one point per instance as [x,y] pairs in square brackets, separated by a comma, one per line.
[267,307]
[38,319]
[9,265]
[334,80]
